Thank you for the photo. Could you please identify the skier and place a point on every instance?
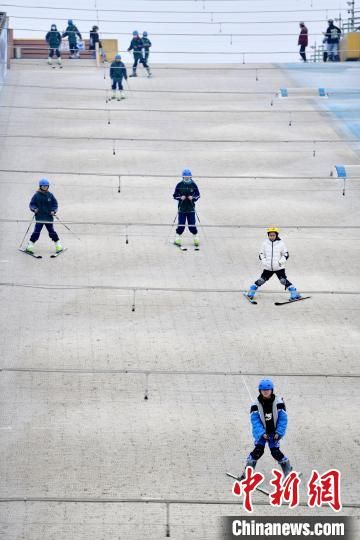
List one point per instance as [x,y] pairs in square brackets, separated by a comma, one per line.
[332,36]
[146,44]
[53,38]
[136,46]
[117,73]
[273,256]
[186,193]
[94,39]
[71,32]
[44,205]
[269,420]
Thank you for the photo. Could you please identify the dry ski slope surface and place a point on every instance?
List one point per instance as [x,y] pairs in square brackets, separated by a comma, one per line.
[77,361]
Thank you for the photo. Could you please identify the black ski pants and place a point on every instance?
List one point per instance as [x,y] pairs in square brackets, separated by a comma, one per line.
[267,274]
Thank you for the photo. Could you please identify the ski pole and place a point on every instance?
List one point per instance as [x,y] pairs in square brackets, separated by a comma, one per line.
[172,226]
[27,230]
[66,227]
[202,228]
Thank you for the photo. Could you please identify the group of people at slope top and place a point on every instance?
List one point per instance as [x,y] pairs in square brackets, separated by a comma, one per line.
[54,39]
[331,42]
[141,51]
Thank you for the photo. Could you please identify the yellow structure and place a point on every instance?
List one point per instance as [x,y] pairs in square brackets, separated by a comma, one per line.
[109,49]
[350,47]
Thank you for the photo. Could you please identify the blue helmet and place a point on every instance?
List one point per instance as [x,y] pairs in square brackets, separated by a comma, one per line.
[145,34]
[135,33]
[70,21]
[187,172]
[118,56]
[44,182]
[266,384]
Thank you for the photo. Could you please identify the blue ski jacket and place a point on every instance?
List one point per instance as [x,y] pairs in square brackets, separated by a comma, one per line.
[186,189]
[43,203]
[257,418]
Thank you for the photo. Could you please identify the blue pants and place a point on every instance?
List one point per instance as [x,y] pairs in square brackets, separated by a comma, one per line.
[73,47]
[50,228]
[54,51]
[333,51]
[190,218]
[138,57]
[117,83]
[274,449]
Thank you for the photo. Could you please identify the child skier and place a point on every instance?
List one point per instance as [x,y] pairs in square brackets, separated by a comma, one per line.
[44,205]
[53,38]
[136,46]
[117,73]
[273,256]
[71,32]
[186,193]
[269,420]
[146,44]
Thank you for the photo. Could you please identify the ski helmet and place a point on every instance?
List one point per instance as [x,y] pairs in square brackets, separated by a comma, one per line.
[70,21]
[53,27]
[118,57]
[266,384]
[273,229]
[135,33]
[44,182]
[145,34]
[187,172]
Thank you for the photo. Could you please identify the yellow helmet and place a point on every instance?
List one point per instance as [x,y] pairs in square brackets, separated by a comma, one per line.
[273,229]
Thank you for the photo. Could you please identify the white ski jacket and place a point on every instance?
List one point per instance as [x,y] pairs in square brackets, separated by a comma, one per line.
[273,255]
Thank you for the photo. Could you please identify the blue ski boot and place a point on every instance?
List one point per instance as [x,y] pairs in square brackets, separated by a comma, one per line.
[249,463]
[286,467]
[252,290]
[294,295]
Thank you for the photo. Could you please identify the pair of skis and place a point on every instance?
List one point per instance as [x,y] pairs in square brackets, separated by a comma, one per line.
[52,256]
[182,248]
[252,301]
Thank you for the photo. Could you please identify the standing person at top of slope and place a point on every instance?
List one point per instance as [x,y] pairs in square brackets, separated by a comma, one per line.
[53,38]
[332,36]
[273,255]
[146,44]
[303,40]
[268,418]
[137,46]
[186,193]
[44,205]
[94,38]
[72,33]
